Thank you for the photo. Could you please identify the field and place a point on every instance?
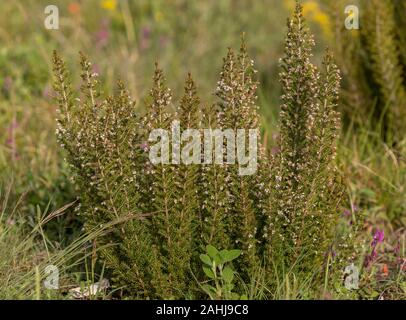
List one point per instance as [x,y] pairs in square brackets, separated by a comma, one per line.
[44,207]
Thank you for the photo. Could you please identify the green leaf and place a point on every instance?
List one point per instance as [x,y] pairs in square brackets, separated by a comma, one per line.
[212,251]
[206,259]
[244,297]
[217,259]
[232,254]
[209,272]
[228,287]
[223,255]
[211,291]
[228,274]
[368,193]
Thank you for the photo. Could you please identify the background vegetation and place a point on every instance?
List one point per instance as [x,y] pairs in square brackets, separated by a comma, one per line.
[124,39]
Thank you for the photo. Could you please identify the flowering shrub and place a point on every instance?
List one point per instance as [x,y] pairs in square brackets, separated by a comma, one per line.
[165,214]
[306,191]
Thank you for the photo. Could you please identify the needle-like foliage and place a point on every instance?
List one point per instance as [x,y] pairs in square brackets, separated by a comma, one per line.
[164,213]
[305,189]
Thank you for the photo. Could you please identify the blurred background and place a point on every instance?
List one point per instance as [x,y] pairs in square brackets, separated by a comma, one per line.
[124,38]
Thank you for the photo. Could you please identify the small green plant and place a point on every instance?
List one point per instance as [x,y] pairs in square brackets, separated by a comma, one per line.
[217,267]
[306,189]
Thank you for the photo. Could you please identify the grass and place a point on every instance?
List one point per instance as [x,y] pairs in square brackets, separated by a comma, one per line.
[26,252]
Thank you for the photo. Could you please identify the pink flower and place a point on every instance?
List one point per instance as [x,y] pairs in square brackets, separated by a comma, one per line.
[10,133]
[145,37]
[10,141]
[103,34]
[378,238]
[47,92]
[144,147]
[7,84]
[274,150]
[347,213]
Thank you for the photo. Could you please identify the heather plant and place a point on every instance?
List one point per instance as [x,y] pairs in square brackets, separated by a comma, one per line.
[173,192]
[164,213]
[215,221]
[305,187]
[96,136]
[236,90]
[188,206]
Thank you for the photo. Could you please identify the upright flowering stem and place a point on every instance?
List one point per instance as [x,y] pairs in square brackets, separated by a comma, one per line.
[305,189]
[376,239]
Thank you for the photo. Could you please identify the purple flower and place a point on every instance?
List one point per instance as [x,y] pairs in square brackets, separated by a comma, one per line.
[8,84]
[370,258]
[145,36]
[374,254]
[10,141]
[378,238]
[275,150]
[47,92]
[347,213]
[144,147]
[103,34]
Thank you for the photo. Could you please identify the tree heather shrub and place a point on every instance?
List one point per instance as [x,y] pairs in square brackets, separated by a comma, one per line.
[167,223]
[213,194]
[102,143]
[236,90]
[166,214]
[305,190]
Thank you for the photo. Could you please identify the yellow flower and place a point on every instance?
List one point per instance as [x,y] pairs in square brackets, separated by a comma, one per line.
[323,20]
[109,4]
[310,8]
[158,16]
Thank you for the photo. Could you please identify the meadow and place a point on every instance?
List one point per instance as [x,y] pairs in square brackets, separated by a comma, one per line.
[54,213]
